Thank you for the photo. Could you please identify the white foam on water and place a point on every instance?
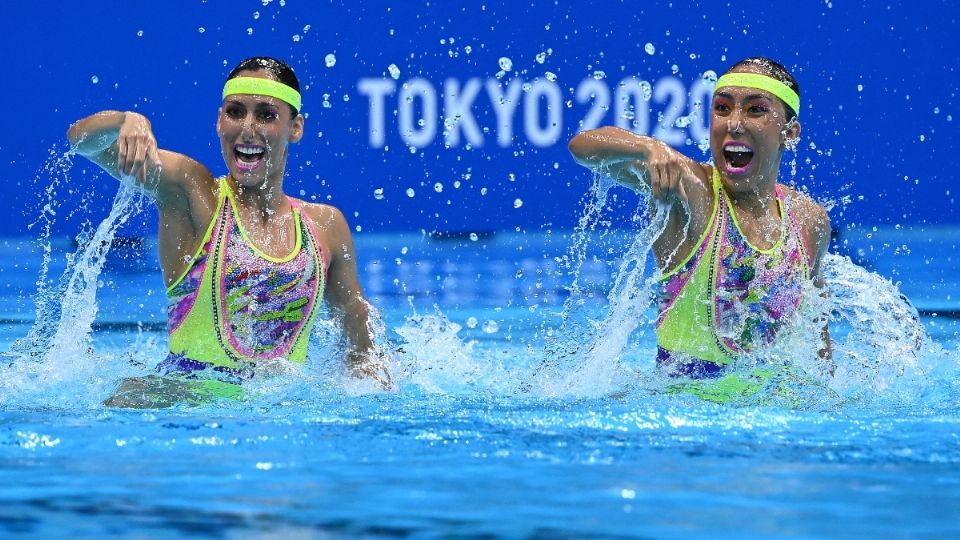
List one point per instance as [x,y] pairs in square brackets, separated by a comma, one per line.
[55,364]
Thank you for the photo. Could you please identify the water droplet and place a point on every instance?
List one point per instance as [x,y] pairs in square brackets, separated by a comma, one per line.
[859,88]
[472,322]
[505,63]
[710,76]
[296,38]
[94,79]
[201,29]
[394,71]
[468,49]
[330,60]
[645,90]
[139,33]
[552,77]
[473,238]
[599,75]
[378,194]
[438,187]
[490,327]
[483,191]
[541,57]
[517,203]
[649,48]
[249,31]
[411,192]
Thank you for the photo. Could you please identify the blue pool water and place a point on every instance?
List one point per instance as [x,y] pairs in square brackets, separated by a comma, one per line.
[486,434]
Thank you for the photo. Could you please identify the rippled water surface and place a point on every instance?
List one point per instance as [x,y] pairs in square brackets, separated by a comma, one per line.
[526,405]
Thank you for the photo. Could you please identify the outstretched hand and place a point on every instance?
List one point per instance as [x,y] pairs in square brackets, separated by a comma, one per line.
[136,147]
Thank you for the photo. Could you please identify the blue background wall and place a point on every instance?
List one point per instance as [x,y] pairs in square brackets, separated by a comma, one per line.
[879,87]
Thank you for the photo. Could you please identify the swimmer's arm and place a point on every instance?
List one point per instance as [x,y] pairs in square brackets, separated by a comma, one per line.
[123,144]
[640,162]
[345,296]
[818,229]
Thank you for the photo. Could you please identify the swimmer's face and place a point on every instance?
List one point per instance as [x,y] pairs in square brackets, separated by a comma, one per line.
[748,128]
[254,133]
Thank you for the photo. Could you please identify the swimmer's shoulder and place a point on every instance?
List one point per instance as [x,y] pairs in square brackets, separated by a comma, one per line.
[329,223]
[324,216]
[813,218]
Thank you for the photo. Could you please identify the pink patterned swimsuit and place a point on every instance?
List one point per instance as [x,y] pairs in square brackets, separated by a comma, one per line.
[729,297]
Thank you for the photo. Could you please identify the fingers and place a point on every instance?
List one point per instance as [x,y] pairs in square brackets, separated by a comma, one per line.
[666,180]
[154,156]
[136,149]
[122,155]
[140,163]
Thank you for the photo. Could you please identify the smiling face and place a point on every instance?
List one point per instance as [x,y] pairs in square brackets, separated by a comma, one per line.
[747,132]
[254,133]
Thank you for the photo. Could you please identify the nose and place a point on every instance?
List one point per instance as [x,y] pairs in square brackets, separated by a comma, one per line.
[246,128]
[734,123]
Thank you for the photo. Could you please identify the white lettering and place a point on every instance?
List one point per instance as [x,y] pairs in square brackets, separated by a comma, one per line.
[632,99]
[377,90]
[670,88]
[701,98]
[504,105]
[457,114]
[593,91]
[418,134]
[551,130]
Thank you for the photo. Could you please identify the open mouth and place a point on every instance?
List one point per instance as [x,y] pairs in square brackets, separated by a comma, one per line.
[248,156]
[738,156]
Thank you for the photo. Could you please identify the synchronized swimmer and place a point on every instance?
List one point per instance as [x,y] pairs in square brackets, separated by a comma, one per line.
[246,265]
[738,246]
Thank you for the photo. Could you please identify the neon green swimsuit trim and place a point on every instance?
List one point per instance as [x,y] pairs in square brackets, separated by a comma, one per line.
[200,336]
[783,227]
[761,82]
[298,241]
[687,324]
[262,87]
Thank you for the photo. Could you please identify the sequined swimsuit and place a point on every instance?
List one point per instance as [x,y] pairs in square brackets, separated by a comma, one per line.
[729,297]
[236,305]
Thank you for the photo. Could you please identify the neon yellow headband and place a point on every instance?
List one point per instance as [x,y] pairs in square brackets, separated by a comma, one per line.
[761,82]
[262,87]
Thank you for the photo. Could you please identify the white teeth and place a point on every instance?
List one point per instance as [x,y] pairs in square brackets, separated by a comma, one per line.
[738,148]
[249,151]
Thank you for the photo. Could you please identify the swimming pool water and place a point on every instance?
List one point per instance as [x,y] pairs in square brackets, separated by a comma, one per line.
[470,444]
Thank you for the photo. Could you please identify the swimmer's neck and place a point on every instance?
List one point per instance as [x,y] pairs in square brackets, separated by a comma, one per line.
[756,204]
[261,202]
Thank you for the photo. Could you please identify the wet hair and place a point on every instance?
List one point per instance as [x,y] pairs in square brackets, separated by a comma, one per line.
[772,69]
[279,71]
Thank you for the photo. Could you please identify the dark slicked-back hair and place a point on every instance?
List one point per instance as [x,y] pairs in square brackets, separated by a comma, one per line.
[773,69]
[279,70]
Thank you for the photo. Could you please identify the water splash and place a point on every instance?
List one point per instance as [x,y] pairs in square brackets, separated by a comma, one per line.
[56,357]
[882,354]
